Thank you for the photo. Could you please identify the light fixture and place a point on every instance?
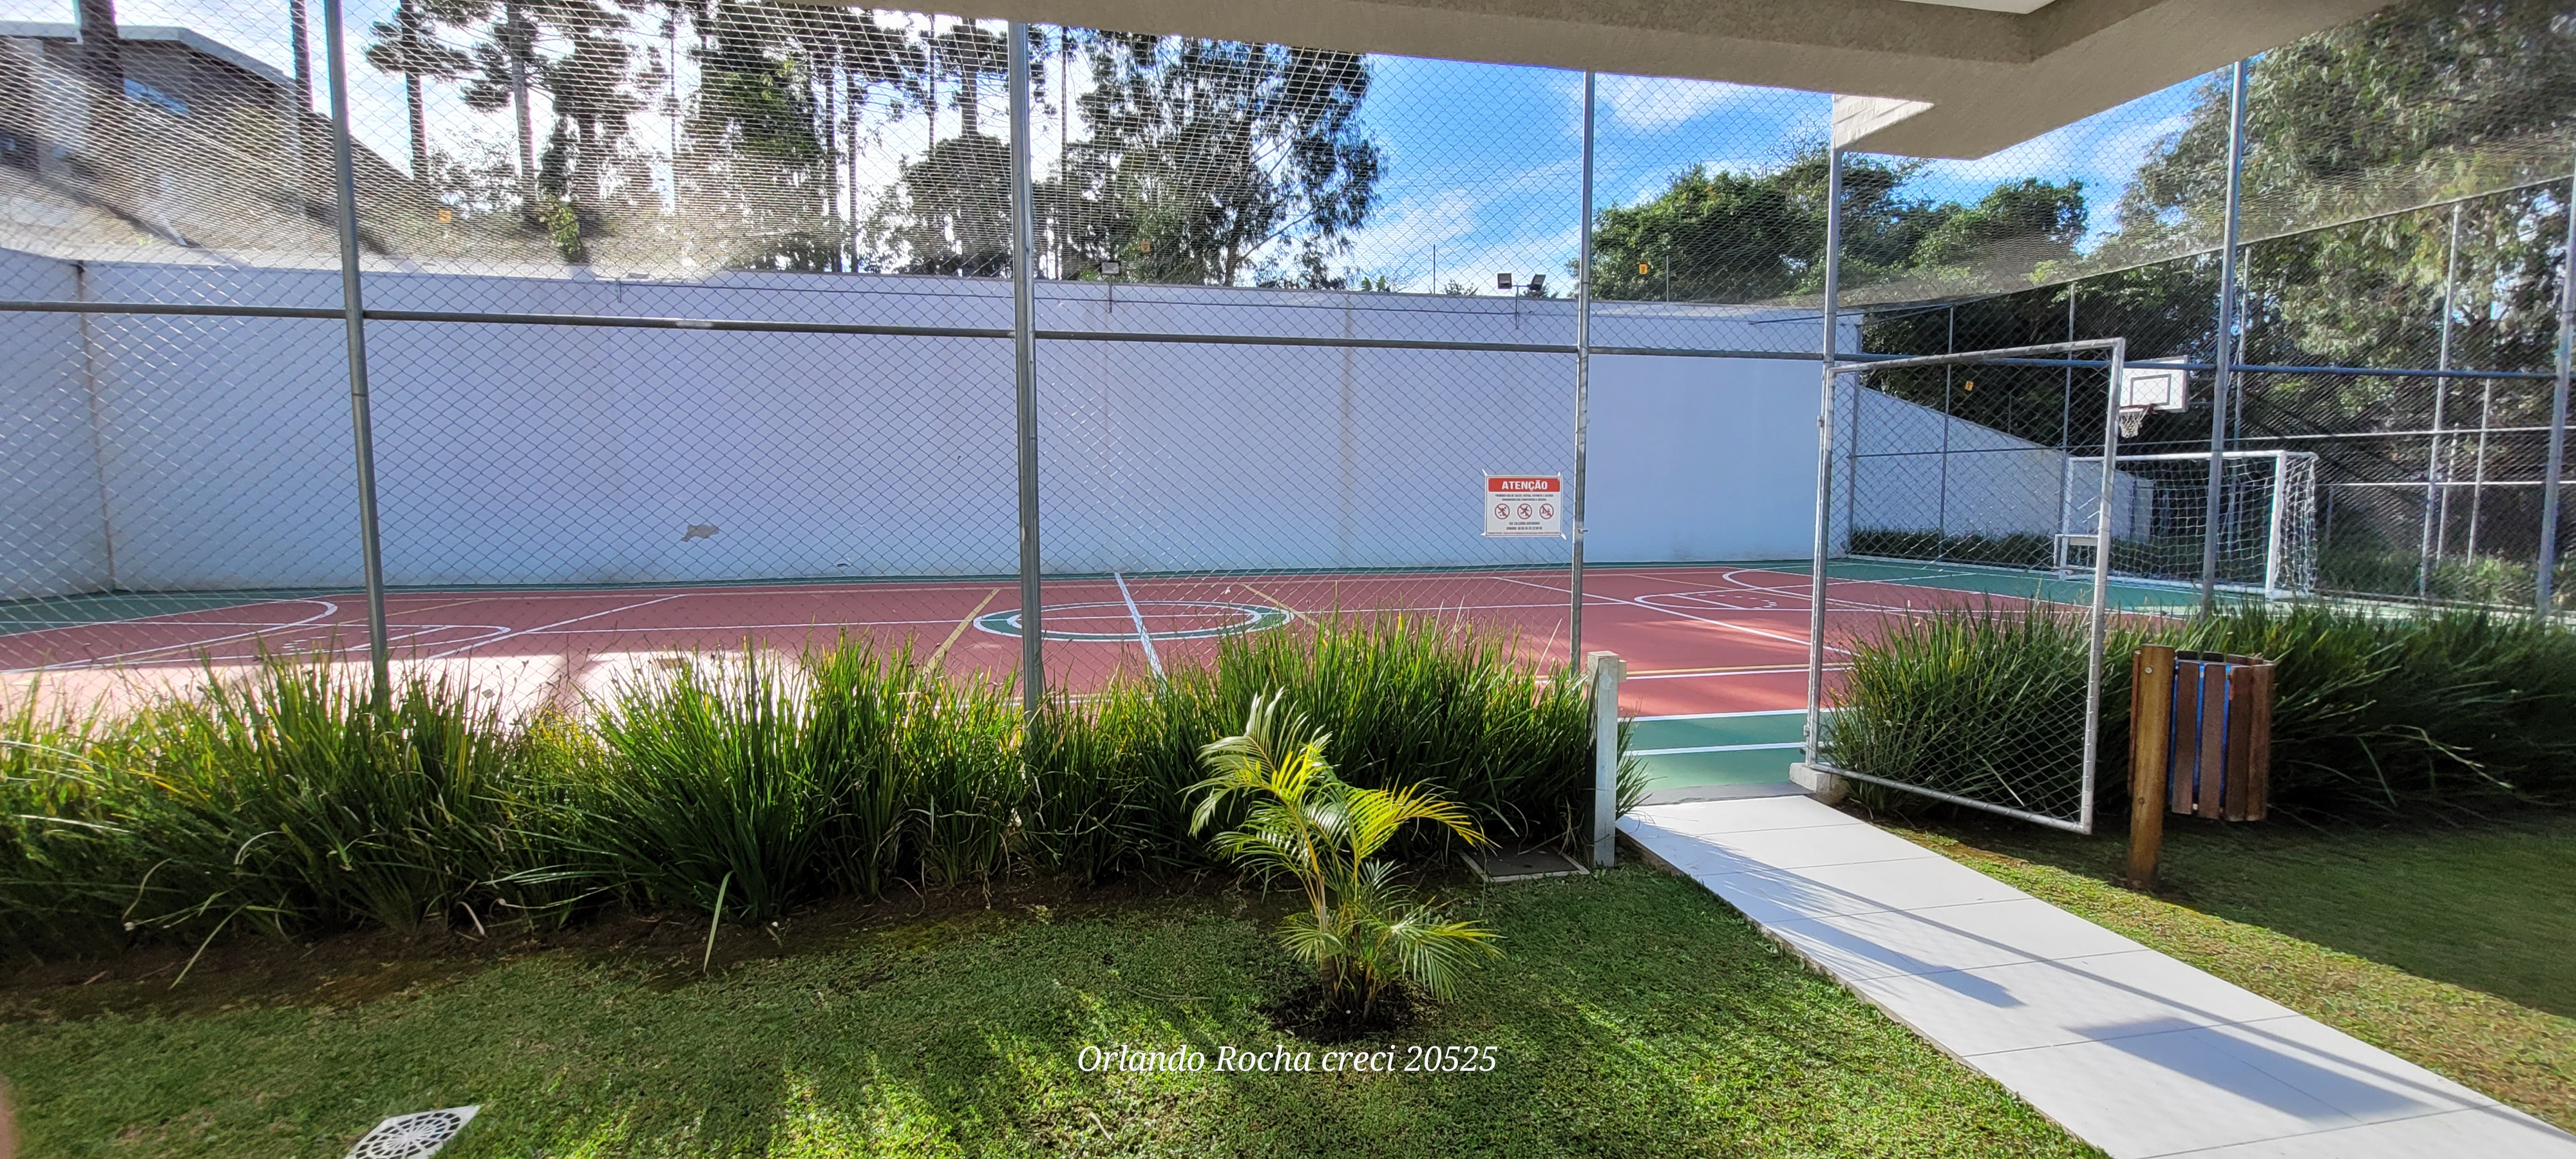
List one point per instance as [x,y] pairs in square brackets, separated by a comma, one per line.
[1503,281]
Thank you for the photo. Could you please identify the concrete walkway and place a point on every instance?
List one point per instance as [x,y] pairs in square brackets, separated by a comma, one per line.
[2130,1050]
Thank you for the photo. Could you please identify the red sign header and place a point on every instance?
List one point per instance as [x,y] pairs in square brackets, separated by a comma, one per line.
[1517,484]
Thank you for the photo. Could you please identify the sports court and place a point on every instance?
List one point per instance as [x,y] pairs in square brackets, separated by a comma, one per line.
[1716,652]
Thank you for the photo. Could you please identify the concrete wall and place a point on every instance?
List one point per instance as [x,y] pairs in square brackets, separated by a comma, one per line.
[527,454]
[53,533]
[1988,483]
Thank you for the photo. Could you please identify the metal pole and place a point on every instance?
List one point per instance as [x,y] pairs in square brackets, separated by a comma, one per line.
[1941,501]
[2542,584]
[2437,491]
[1851,464]
[2223,382]
[354,304]
[2478,477]
[1024,372]
[1582,381]
[1606,670]
[2065,427]
[1824,462]
[2101,586]
[2272,536]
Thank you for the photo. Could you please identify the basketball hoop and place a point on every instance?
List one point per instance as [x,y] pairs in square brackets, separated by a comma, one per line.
[2148,386]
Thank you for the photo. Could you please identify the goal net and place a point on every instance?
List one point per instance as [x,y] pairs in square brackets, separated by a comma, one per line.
[2266,529]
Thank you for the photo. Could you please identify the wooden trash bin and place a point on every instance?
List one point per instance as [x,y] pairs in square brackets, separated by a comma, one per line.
[2200,744]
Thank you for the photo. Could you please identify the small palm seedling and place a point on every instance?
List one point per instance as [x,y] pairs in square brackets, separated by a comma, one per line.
[1361,929]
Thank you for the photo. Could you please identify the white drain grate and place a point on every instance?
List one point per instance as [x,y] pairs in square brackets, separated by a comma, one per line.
[414,1136]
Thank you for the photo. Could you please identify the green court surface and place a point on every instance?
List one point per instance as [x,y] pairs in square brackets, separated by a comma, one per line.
[1727,748]
[111,607]
[2123,595]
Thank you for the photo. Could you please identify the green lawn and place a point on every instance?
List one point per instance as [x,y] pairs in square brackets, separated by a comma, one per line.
[1634,1015]
[2450,946]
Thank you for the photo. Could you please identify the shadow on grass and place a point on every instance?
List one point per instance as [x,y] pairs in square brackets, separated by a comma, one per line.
[2489,906]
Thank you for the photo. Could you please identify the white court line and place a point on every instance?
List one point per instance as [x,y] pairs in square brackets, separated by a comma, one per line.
[557,624]
[1738,672]
[1723,715]
[1142,636]
[329,610]
[1797,640]
[69,625]
[1715,748]
[817,624]
[1846,603]
[1850,602]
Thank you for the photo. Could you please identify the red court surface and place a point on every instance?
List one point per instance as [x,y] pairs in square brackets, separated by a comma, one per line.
[1697,639]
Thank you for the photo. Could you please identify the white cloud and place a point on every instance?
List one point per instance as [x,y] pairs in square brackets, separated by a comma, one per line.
[1654,104]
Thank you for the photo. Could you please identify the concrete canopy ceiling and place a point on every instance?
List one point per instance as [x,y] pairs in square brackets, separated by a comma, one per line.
[1926,78]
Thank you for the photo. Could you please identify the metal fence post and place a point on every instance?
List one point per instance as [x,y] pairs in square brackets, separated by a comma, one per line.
[2066,419]
[1824,461]
[1605,670]
[2100,619]
[2543,582]
[1024,371]
[2223,379]
[1582,384]
[353,307]
[2437,490]
[1949,399]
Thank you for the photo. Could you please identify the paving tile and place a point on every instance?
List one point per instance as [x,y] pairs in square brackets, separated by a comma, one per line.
[2362,1067]
[2476,1133]
[2183,1094]
[1792,849]
[2134,1052]
[1704,818]
[1674,793]
[2145,1090]
[1958,937]
[2034,1004]
[1770,895]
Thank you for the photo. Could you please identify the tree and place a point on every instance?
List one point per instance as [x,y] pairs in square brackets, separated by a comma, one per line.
[1361,929]
[950,212]
[1741,237]
[756,168]
[2419,102]
[1213,161]
[404,45]
[593,88]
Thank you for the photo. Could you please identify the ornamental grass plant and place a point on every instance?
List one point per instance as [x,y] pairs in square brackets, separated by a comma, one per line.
[735,785]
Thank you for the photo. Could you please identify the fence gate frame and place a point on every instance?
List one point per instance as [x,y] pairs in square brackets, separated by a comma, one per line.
[2096,620]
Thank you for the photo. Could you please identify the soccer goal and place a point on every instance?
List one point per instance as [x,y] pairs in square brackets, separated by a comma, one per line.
[2266,530]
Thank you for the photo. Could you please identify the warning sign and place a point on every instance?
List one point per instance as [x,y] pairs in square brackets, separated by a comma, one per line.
[1525,505]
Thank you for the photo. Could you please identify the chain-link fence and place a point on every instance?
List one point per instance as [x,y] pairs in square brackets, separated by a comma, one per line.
[1992,459]
[688,324]
[671,326]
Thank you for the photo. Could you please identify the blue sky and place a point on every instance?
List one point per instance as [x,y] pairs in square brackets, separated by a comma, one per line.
[1483,162]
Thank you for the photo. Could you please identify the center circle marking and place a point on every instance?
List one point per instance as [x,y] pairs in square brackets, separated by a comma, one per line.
[1244,617]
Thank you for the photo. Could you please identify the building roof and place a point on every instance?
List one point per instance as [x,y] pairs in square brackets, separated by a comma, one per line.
[1926,78]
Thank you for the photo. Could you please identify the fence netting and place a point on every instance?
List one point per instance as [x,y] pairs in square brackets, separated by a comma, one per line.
[691,324]
[1952,471]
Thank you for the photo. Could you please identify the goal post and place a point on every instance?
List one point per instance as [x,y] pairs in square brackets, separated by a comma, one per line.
[2266,534]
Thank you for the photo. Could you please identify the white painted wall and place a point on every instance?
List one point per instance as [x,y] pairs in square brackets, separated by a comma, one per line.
[1989,483]
[520,454]
[53,534]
